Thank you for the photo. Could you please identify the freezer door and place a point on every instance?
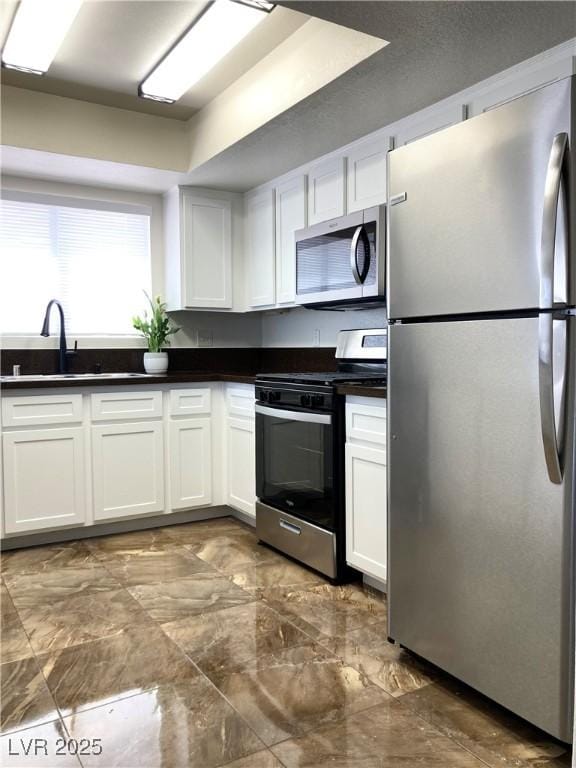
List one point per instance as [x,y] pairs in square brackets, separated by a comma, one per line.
[474,209]
[480,538]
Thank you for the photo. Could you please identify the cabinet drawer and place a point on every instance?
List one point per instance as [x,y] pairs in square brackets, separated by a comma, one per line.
[188,402]
[38,410]
[366,423]
[120,406]
[240,400]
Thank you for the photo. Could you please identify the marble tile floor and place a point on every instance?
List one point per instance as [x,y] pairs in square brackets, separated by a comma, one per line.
[194,646]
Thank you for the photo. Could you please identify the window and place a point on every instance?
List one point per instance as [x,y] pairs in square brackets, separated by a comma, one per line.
[94,258]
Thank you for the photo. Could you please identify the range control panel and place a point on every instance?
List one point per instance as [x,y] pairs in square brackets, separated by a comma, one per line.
[295,398]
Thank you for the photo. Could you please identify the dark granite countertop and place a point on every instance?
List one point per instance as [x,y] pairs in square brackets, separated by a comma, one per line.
[172,377]
[361,390]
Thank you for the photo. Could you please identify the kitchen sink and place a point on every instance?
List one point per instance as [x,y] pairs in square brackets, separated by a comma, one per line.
[77,376]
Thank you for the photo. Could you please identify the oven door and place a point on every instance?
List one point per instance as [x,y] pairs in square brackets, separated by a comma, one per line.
[295,463]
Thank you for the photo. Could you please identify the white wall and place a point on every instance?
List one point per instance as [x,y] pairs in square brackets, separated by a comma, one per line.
[296,327]
[227,330]
[72,127]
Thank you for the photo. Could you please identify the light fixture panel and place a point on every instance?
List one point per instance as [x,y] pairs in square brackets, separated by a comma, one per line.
[214,34]
[261,5]
[37,31]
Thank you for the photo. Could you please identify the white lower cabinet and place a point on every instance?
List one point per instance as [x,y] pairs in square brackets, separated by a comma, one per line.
[366,509]
[241,465]
[190,451]
[240,448]
[127,469]
[130,453]
[44,479]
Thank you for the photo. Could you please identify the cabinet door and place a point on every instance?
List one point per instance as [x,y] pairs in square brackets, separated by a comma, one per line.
[206,252]
[366,514]
[128,470]
[523,83]
[260,249]
[366,174]
[326,193]
[190,463]
[241,465]
[290,216]
[44,483]
[412,130]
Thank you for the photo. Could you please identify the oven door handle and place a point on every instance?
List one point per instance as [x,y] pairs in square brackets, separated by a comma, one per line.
[280,413]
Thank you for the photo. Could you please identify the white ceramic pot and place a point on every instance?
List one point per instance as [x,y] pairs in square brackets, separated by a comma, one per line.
[156,362]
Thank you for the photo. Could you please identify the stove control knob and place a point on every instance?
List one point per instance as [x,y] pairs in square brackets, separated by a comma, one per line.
[263,397]
[317,401]
[305,401]
[273,397]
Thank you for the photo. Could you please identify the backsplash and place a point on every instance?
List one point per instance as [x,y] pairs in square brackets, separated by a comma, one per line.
[247,361]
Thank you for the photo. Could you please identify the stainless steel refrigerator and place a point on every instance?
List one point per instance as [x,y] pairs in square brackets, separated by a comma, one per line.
[481,296]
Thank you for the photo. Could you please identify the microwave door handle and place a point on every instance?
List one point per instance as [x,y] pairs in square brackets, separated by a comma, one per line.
[353,260]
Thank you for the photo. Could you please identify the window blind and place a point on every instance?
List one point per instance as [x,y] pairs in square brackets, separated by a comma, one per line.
[95,261]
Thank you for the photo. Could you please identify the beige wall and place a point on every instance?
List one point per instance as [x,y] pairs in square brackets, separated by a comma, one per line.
[70,127]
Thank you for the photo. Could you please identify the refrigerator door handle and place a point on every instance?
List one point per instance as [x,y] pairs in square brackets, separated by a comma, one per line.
[546,383]
[552,189]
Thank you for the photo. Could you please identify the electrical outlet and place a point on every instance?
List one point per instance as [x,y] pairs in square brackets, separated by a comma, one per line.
[317,337]
[205,338]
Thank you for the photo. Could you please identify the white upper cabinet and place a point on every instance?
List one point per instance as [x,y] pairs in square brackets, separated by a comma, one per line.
[366,173]
[207,243]
[198,251]
[419,127]
[290,216]
[260,249]
[326,190]
[500,93]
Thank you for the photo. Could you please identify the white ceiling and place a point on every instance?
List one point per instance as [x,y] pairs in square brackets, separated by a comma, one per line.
[113,44]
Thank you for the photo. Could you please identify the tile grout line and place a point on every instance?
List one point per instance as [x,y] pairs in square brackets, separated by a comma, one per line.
[443,733]
[218,691]
[200,672]
[255,599]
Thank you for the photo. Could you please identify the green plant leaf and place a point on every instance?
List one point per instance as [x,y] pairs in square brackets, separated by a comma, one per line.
[158,328]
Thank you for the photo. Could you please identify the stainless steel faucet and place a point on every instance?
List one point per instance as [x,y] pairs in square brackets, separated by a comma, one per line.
[65,353]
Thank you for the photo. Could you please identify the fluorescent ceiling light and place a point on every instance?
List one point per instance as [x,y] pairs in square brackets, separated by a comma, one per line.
[37,31]
[221,27]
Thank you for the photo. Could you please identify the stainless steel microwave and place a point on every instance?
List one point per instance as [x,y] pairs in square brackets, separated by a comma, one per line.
[342,262]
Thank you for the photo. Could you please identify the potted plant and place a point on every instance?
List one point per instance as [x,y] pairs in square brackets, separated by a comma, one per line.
[156,331]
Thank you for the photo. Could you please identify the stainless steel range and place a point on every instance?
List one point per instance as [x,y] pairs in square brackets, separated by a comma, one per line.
[300,453]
